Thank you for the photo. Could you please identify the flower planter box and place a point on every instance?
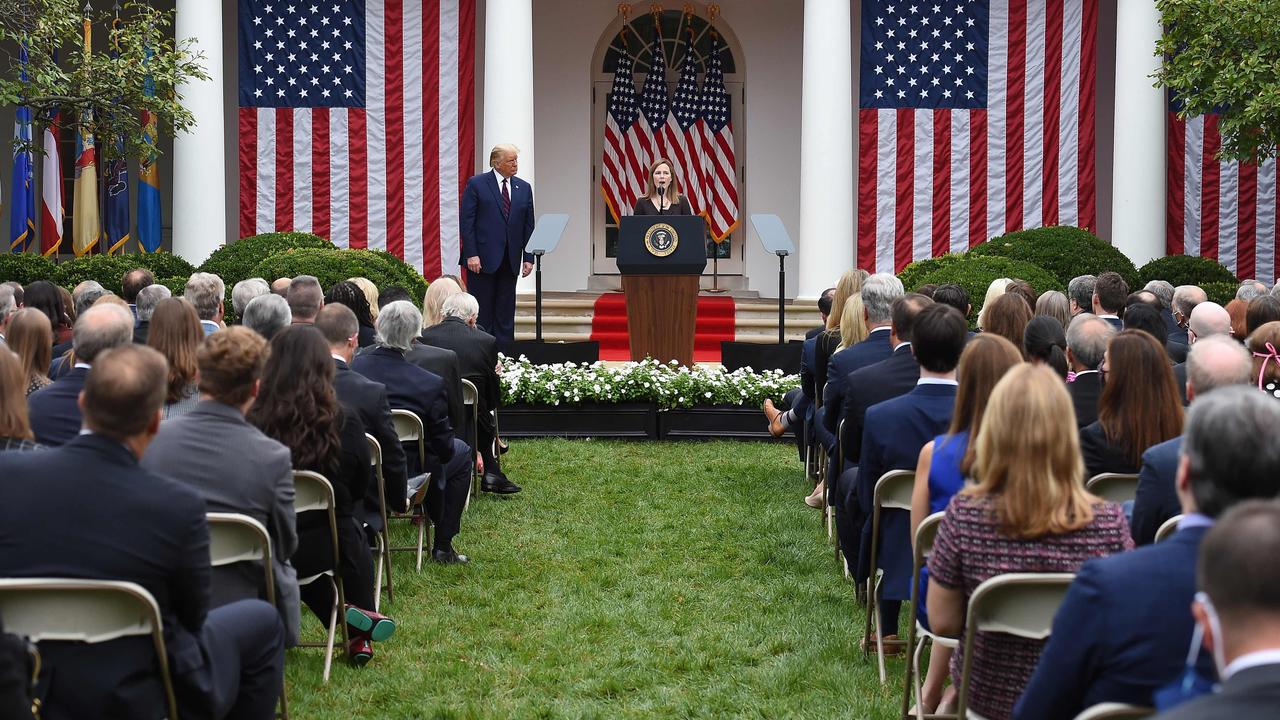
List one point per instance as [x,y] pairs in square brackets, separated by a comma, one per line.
[713,422]
[599,420]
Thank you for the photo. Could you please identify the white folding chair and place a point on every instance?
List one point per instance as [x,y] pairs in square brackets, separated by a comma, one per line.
[311,491]
[382,538]
[471,399]
[1116,711]
[892,492]
[87,611]
[1019,604]
[1115,487]
[828,509]
[1168,528]
[917,634]
[409,429]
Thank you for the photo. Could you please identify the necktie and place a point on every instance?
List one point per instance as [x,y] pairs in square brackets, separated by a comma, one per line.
[506,199]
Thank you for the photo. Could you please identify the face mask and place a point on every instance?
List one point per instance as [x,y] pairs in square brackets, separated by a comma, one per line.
[1192,683]
[1219,656]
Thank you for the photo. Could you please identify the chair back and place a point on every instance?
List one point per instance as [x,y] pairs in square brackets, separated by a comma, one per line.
[88,611]
[893,490]
[235,538]
[375,460]
[1116,711]
[1168,528]
[471,399]
[409,428]
[925,535]
[311,491]
[1115,487]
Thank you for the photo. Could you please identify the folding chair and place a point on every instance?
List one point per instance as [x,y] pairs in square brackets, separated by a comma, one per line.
[88,611]
[1115,487]
[892,492]
[829,509]
[1019,604]
[409,429]
[917,634]
[311,491]
[381,539]
[235,538]
[1116,711]
[471,399]
[1168,528]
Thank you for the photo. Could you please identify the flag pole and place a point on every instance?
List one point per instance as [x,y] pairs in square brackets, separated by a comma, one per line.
[712,11]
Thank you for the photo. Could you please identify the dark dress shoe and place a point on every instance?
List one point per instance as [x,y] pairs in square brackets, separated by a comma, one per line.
[378,627]
[499,485]
[503,447]
[360,651]
[449,557]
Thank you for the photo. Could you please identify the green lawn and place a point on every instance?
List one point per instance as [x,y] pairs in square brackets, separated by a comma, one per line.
[628,580]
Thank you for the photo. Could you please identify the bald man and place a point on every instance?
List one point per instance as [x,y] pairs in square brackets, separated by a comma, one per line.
[1207,320]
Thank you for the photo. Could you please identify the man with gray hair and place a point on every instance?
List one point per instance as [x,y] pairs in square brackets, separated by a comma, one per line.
[1080,294]
[8,306]
[86,294]
[246,290]
[409,387]
[1206,320]
[1177,342]
[305,297]
[1185,300]
[1087,339]
[206,292]
[1250,289]
[267,315]
[148,298]
[55,412]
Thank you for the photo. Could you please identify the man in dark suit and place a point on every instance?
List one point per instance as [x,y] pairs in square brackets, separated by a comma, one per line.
[1206,320]
[1109,293]
[1185,300]
[444,363]
[797,404]
[1214,362]
[255,480]
[54,410]
[478,361]
[893,433]
[1124,628]
[148,298]
[409,387]
[878,294]
[1087,339]
[131,525]
[496,223]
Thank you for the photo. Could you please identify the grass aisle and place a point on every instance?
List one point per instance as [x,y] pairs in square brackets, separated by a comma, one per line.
[629,579]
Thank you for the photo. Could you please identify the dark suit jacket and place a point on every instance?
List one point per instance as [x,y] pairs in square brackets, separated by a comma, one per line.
[409,387]
[1251,694]
[1085,392]
[873,384]
[55,414]
[1177,351]
[367,336]
[1176,334]
[870,351]
[369,400]
[1157,498]
[486,233]
[813,332]
[1116,323]
[680,207]
[808,358]
[1180,379]
[444,363]
[477,353]
[1122,631]
[1100,455]
[140,332]
[124,524]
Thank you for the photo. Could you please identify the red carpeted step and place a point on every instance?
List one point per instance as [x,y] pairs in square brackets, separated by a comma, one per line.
[715,323]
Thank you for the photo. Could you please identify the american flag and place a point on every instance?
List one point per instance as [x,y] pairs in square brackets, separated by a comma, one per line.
[1220,209]
[719,169]
[622,164]
[683,132]
[653,110]
[976,118]
[357,122]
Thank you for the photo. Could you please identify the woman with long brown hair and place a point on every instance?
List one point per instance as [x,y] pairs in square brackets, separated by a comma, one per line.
[176,333]
[662,192]
[1139,407]
[31,338]
[1027,512]
[1007,316]
[15,425]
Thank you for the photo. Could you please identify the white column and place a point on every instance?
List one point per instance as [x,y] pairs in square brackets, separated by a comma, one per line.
[199,166]
[827,158]
[1138,167]
[508,88]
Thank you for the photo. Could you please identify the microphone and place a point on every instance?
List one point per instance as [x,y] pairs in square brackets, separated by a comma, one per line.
[662,196]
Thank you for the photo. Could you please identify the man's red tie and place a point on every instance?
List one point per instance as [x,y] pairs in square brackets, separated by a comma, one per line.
[506,199]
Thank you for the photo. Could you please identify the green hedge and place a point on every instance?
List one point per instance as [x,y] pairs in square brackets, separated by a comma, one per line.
[110,269]
[235,262]
[178,286]
[1064,251]
[333,266]
[408,278]
[26,268]
[976,272]
[1185,270]
[911,275]
[1220,292]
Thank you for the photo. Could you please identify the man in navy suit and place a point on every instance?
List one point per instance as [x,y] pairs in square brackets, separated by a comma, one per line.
[54,410]
[894,432]
[1214,362]
[497,221]
[128,524]
[878,293]
[1109,293]
[409,387]
[1087,338]
[1125,625]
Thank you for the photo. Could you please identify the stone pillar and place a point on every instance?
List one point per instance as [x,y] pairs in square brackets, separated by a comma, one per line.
[199,162]
[1138,190]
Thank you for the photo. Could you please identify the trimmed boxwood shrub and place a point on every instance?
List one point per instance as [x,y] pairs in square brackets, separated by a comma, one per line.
[333,266]
[25,268]
[110,269]
[1185,270]
[976,272]
[1064,251]
[1220,292]
[409,279]
[178,286]
[911,274]
[235,262]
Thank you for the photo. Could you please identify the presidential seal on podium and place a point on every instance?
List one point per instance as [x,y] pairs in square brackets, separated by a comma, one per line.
[661,240]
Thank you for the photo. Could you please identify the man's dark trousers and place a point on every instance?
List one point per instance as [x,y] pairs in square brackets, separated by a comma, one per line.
[496,293]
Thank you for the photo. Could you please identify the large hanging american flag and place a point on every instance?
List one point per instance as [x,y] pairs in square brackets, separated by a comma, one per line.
[719,167]
[357,122]
[653,109]
[622,164]
[1225,210]
[683,132]
[976,118]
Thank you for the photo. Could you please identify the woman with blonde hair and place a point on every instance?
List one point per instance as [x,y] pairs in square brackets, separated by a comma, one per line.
[176,333]
[853,322]
[15,425]
[828,342]
[433,301]
[370,293]
[31,338]
[662,192]
[1027,512]
[997,288]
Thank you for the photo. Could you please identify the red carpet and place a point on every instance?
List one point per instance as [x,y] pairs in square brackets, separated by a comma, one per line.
[716,320]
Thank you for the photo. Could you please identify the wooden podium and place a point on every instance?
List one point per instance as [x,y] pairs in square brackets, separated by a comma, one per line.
[661,258]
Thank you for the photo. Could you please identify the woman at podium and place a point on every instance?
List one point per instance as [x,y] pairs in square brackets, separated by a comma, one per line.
[662,192]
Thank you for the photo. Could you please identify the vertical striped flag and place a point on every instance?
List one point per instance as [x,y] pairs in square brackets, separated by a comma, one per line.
[356,123]
[149,178]
[683,131]
[85,224]
[115,178]
[622,165]
[976,118]
[51,212]
[653,110]
[1220,209]
[22,207]
[719,167]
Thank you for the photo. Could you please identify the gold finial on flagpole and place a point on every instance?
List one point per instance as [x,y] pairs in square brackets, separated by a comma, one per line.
[655,9]
[624,9]
[713,11]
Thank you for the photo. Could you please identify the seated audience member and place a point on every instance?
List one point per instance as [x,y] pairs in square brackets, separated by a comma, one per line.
[1024,289]
[875,302]
[131,525]
[797,405]
[1087,338]
[1054,304]
[998,287]
[947,460]
[280,286]
[1123,629]
[245,291]
[409,387]
[1044,343]
[1208,318]
[1028,512]
[1007,317]
[955,296]
[8,306]
[478,362]
[145,307]
[853,330]
[254,479]
[369,399]
[176,333]
[1238,611]
[132,283]
[1237,310]
[83,298]
[926,290]
[18,292]
[30,338]
[55,412]
[444,363]
[44,296]
[1212,363]
[1142,297]
[305,298]
[15,427]
[1263,344]
[349,294]
[1185,300]
[849,284]
[296,406]
[1177,343]
[1080,294]
[894,432]
[206,293]
[1261,310]
[1250,289]
[433,301]
[1144,317]
[395,293]
[1109,293]
[370,294]
[267,315]
[1139,406]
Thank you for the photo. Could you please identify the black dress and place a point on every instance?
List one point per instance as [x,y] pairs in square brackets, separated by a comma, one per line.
[1101,455]
[679,207]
